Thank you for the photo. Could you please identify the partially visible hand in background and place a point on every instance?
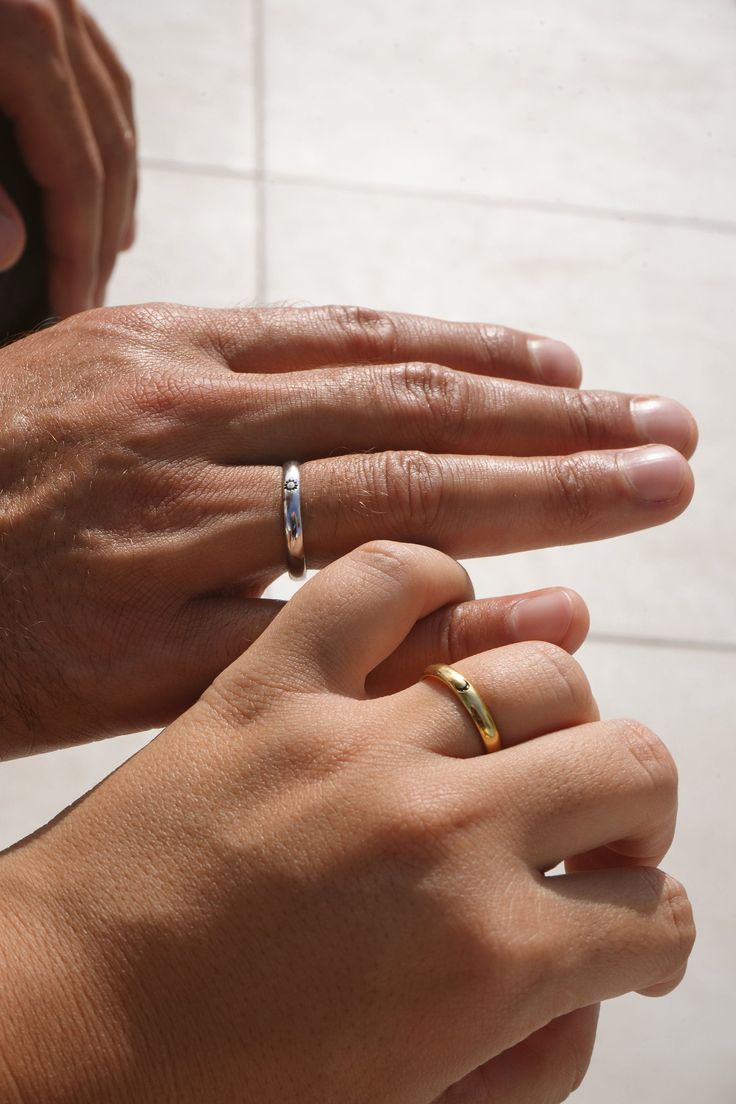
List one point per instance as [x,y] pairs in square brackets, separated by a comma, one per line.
[70,102]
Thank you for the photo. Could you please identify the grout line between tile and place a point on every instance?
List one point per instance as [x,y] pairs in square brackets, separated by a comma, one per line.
[259,123]
[712,646]
[191,168]
[471,199]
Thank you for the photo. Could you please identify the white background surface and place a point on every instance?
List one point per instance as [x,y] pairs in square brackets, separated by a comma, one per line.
[558,165]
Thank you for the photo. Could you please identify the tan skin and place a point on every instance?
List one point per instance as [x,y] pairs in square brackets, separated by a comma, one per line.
[70,100]
[140,453]
[304,892]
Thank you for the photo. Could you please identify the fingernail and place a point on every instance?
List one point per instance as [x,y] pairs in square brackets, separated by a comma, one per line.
[12,241]
[662,420]
[545,616]
[656,473]
[555,362]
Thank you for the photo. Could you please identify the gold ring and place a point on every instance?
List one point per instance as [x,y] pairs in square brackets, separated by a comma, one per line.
[470,700]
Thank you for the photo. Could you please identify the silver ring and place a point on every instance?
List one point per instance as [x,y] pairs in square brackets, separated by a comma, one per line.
[295,560]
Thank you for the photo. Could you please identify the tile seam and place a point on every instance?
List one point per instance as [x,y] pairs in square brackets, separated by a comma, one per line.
[470,199]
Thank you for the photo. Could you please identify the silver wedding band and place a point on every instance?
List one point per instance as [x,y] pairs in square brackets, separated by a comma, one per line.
[295,560]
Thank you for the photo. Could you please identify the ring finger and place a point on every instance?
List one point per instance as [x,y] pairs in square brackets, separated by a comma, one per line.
[531,689]
[462,505]
[367,407]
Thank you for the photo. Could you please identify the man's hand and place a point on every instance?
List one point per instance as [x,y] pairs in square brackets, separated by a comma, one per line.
[70,102]
[141,481]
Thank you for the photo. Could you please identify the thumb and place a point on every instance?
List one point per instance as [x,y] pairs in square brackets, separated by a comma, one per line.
[12,232]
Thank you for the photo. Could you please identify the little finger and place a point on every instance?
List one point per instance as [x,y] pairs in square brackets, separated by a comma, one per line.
[611,784]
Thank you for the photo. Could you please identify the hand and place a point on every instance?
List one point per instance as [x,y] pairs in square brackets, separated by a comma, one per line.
[300,893]
[141,480]
[70,101]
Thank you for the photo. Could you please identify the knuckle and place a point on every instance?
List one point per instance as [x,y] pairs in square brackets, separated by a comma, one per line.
[370,335]
[119,149]
[584,412]
[438,397]
[680,915]
[389,558]
[650,756]
[455,632]
[89,169]
[500,347]
[41,21]
[412,484]
[673,904]
[570,495]
[562,677]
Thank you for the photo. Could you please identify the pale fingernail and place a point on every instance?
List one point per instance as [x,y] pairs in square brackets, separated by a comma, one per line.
[556,363]
[545,616]
[656,473]
[662,420]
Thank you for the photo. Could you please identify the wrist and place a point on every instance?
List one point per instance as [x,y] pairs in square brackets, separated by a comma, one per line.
[62,1038]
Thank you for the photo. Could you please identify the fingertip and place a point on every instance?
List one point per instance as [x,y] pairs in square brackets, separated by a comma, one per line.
[658,475]
[557,615]
[664,421]
[555,363]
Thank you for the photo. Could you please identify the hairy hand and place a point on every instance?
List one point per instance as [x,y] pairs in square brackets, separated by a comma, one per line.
[301,893]
[141,479]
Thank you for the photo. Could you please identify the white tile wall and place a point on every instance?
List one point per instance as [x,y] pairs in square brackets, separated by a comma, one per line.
[562,166]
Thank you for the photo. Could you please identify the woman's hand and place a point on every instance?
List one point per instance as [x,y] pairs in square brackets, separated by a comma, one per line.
[141,482]
[302,893]
[70,101]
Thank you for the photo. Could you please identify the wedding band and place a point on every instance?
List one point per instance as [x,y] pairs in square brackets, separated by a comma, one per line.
[295,560]
[470,700]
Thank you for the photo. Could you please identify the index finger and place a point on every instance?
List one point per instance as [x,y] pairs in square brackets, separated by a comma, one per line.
[282,339]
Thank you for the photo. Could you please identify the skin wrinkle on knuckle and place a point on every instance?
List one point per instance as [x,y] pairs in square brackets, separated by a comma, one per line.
[584,413]
[390,564]
[681,917]
[676,938]
[454,631]
[498,345]
[560,674]
[412,482]
[651,758]
[371,336]
[438,397]
[569,496]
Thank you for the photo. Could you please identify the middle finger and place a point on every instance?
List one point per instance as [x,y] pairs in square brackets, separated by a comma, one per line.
[426,406]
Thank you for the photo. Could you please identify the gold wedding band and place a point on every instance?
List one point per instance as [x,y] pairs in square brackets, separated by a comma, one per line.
[470,700]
